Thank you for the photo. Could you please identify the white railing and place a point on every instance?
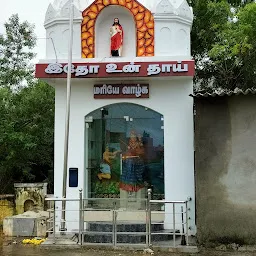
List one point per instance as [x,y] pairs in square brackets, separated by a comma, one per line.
[156,223]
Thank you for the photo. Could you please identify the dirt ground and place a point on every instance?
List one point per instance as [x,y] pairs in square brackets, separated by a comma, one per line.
[21,250]
[14,247]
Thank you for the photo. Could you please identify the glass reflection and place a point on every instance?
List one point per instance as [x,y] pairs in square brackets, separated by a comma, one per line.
[125,152]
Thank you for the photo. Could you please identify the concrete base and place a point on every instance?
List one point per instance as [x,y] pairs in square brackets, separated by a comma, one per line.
[133,200]
[135,216]
[29,224]
[62,242]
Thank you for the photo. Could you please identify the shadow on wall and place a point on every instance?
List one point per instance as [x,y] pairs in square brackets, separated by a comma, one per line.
[225,178]
[29,205]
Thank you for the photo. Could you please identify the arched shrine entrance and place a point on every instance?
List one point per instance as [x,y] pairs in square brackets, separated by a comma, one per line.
[124,152]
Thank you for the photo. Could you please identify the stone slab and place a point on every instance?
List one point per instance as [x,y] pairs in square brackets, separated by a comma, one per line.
[30,225]
[23,227]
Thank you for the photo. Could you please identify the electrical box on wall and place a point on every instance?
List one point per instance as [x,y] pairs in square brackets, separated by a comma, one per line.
[73,177]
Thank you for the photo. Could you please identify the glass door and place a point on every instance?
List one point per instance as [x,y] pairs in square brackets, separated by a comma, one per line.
[124,151]
[104,139]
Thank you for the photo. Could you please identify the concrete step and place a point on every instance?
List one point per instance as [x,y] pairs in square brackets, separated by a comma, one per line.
[127,233]
[125,238]
[123,227]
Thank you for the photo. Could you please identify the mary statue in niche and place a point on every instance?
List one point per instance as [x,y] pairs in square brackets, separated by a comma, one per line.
[117,34]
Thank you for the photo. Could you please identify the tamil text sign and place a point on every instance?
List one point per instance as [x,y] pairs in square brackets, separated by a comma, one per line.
[120,69]
[113,91]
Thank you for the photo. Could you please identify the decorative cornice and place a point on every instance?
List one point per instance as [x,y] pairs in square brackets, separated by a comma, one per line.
[64,12]
[166,9]
[50,13]
[61,15]
[185,11]
[161,17]
[163,10]
[58,21]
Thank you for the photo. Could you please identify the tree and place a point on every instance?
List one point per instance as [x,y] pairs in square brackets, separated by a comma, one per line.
[223,44]
[16,53]
[26,111]
[238,3]
[234,52]
[26,135]
[210,18]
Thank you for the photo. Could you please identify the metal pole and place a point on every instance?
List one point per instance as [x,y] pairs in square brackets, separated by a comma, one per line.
[114,227]
[174,226]
[65,163]
[147,222]
[149,217]
[54,223]
[80,217]
[187,227]
[86,161]
[183,239]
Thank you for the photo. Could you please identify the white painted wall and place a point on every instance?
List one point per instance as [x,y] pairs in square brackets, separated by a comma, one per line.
[57,47]
[168,97]
[175,38]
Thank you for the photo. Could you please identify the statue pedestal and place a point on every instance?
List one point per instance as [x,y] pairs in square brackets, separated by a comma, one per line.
[133,200]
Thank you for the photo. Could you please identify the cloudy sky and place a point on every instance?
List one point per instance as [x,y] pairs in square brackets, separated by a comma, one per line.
[32,11]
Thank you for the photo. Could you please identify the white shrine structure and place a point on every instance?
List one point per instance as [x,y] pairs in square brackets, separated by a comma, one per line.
[131,117]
